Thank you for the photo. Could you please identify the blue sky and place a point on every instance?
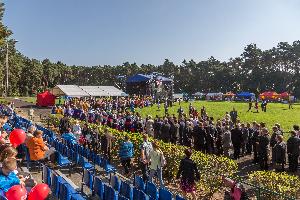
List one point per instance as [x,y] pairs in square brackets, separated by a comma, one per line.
[98,32]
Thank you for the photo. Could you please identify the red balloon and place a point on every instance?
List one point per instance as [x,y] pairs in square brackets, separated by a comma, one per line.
[40,192]
[16,192]
[17,137]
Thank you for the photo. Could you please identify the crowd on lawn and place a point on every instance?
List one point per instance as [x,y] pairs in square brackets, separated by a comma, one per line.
[227,136]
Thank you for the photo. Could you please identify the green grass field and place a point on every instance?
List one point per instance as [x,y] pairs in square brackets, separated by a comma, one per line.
[276,112]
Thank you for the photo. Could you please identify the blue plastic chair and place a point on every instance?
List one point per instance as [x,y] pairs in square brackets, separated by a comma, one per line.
[77,196]
[139,195]
[107,167]
[46,174]
[126,190]
[65,190]
[164,194]
[87,179]
[63,162]
[73,155]
[84,164]
[109,193]
[152,191]
[93,157]
[139,183]
[98,160]
[120,197]
[98,187]
[179,197]
[115,182]
[55,184]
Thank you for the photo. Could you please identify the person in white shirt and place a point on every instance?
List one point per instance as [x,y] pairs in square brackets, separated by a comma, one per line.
[146,148]
[77,129]
[149,126]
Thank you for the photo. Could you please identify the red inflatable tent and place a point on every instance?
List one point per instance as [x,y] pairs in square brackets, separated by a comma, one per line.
[45,99]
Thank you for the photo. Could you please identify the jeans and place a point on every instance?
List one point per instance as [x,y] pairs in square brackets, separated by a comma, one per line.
[158,173]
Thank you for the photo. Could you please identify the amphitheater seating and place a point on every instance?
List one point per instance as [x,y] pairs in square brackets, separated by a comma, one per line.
[76,154]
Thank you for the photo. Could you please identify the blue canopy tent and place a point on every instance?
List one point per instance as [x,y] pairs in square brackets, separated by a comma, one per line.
[138,78]
[153,84]
[144,78]
[246,95]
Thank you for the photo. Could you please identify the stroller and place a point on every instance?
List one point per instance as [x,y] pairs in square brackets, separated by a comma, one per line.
[236,192]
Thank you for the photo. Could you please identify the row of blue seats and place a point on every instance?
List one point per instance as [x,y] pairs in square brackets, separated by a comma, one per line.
[76,154]
[122,190]
[59,186]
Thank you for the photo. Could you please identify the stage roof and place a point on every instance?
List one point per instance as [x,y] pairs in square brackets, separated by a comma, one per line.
[86,91]
[144,78]
[69,90]
[97,91]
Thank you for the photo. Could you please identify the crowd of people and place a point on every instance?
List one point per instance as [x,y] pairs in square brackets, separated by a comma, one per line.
[226,136]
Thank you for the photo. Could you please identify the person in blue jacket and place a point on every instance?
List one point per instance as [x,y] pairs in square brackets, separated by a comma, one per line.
[125,154]
[69,136]
[8,177]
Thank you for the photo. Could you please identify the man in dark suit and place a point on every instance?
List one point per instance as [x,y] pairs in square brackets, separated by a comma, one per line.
[293,144]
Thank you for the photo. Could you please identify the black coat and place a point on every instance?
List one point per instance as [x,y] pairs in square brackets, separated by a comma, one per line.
[165,132]
[263,144]
[199,136]
[187,136]
[278,152]
[188,170]
[236,137]
[293,144]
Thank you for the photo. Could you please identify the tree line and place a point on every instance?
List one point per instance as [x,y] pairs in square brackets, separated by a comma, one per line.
[254,70]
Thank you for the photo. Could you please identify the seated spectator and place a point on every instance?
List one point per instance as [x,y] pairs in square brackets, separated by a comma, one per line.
[30,131]
[3,136]
[37,148]
[8,152]
[7,176]
[69,136]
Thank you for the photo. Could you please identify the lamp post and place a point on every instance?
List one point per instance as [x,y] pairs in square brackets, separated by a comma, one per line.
[6,64]
[7,67]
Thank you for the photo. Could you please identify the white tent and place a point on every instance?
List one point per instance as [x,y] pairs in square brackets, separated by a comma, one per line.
[103,91]
[69,90]
[178,96]
[94,91]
